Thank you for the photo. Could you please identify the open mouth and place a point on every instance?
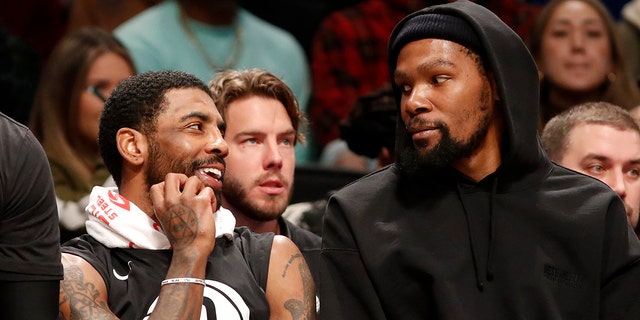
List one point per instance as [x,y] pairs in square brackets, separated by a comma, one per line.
[212,172]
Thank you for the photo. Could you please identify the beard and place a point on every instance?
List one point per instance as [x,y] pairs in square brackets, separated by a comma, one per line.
[161,163]
[424,162]
[236,196]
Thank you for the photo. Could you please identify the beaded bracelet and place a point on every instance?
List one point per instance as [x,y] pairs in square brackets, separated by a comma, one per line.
[183,280]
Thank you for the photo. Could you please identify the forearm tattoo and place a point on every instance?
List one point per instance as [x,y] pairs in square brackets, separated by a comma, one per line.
[173,302]
[180,224]
[82,296]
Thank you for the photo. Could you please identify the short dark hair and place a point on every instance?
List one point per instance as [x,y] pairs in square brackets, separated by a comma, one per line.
[136,103]
[556,131]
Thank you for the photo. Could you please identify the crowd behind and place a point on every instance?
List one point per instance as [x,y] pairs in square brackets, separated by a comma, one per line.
[60,61]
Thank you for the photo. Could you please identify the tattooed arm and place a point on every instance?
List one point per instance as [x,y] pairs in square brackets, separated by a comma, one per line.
[184,208]
[83,294]
[290,288]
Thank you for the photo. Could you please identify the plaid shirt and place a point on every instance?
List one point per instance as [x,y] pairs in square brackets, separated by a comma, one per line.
[349,59]
[349,55]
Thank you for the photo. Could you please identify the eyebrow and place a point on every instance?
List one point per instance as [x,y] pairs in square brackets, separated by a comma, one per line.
[256,132]
[594,156]
[222,126]
[588,22]
[599,157]
[423,67]
[196,114]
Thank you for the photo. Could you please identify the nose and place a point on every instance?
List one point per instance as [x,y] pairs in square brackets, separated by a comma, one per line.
[418,101]
[617,182]
[577,40]
[273,157]
[217,145]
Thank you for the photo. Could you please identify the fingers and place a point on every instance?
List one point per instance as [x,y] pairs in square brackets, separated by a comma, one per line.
[184,208]
[174,184]
[194,187]
[179,186]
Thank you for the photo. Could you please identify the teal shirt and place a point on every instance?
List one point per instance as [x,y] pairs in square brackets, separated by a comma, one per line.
[156,40]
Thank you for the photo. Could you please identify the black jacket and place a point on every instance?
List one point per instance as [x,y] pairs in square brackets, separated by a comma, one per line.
[530,241]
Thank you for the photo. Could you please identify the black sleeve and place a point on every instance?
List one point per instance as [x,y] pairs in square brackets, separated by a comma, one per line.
[29,299]
[346,292]
[256,250]
[29,232]
[621,267]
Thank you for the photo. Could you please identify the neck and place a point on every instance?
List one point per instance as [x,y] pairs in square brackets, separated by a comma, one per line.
[486,159]
[135,189]
[255,225]
[217,13]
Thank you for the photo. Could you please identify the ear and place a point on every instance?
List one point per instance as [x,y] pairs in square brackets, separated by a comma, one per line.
[494,87]
[132,145]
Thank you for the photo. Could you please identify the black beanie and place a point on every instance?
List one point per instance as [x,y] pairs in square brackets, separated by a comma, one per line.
[436,26]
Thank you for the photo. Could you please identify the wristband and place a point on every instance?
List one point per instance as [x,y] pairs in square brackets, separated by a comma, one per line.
[183,280]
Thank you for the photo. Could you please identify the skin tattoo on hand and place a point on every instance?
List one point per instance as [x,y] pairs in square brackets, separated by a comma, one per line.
[181,224]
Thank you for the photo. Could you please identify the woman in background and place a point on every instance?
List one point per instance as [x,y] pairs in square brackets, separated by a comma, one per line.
[579,58]
[80,74]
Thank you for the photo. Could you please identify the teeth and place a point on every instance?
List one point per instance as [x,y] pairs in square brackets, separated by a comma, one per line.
[212,171]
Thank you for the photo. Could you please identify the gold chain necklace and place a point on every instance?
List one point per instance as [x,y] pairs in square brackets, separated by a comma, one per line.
[232,58]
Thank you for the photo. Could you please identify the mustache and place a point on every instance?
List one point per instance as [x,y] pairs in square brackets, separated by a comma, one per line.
[197,163]
[417,123]
[270,175]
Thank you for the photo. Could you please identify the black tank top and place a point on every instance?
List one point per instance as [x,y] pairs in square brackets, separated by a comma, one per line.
[236,276]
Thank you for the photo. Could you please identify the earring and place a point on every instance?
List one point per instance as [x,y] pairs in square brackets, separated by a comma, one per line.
[611,77]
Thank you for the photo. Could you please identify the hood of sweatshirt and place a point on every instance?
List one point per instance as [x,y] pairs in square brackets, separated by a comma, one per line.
[524,163]
[507,57]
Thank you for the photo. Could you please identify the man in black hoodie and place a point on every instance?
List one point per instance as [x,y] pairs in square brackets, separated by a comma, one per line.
[473,221]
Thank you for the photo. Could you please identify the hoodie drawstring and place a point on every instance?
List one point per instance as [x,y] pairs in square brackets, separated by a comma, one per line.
[492,230]
[474,254]
[492,237]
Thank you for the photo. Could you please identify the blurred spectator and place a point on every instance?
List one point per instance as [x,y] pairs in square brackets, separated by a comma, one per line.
[337,155]
[204,37]
[82,71]
[367,136]
[518,14]
[579,57]
[106,14]
[300,18]
[19,72]
[349,53]
[349,59]
[601,140]
[367,143]
[370,129]
[629,30]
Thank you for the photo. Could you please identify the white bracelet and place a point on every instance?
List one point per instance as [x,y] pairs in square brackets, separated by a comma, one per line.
[183,280]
